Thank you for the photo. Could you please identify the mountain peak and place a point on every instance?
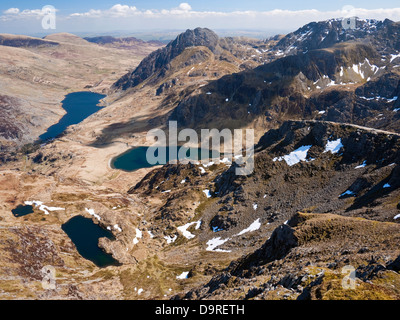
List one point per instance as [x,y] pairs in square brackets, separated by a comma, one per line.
[324,34]
[197,37]
[160,59]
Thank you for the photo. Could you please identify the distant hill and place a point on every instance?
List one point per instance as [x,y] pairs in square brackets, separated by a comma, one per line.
[18,41]
[123,43]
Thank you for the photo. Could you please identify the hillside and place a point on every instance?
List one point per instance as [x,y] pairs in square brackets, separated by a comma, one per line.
[37,74]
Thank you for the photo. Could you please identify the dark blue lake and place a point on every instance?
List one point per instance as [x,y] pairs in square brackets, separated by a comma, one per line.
[79,106]
[135,158]
[85,234]
[22,210]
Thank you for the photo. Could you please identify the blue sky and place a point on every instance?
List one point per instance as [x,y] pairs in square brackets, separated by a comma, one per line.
[25,16]
[71,6]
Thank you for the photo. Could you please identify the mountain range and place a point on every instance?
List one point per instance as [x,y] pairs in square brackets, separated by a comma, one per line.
[324,194]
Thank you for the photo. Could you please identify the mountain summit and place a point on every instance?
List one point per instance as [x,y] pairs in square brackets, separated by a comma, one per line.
[158,61]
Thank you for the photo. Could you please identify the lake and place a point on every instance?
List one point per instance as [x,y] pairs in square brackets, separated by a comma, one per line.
[135,158]
[85,234]
[79,106]
[22,210]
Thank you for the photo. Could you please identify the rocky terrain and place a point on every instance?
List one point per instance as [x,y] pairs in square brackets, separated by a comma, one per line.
[314,80]
[324,193]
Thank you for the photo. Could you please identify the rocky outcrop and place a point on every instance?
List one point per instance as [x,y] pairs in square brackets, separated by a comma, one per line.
[307,258]
[157,63]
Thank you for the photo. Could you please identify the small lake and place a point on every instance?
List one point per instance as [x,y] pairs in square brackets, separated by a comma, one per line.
[22,210]
[79,106]
[85,234]
[135,158]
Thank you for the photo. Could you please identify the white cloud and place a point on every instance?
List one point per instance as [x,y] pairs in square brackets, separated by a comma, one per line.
[277,16]
[125,17]
[116,11]
[185,6]
[11,11]
[184,17]
[90,13]
[30,13]
[16,13]
[125,11]
[119,10]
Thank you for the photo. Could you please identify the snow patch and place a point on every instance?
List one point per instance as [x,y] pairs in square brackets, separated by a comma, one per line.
[150,234]
[300,154]
[170,239]
[253,227]
[207,193]
[394,56]
[187,234]
[334,146]
[205,165]
[216,242]
[92,213]
[183,275]
[361,165]
[139,235]
[42,207]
